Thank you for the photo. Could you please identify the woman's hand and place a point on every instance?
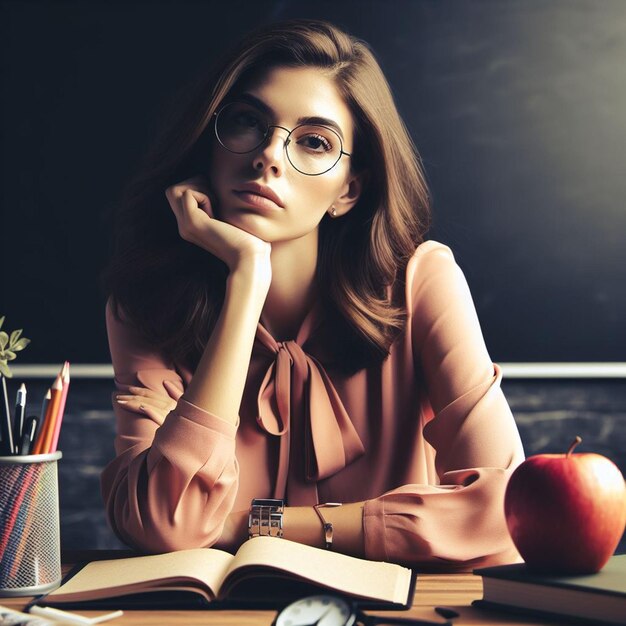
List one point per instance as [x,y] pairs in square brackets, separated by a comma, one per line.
[192,207]
[147,402]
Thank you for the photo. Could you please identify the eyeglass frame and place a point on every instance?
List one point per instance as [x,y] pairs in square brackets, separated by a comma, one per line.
[286,142]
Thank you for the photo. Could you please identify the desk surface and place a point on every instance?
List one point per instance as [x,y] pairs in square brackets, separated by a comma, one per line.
[450,590]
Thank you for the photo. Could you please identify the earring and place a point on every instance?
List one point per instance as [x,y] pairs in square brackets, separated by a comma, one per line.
[333,212]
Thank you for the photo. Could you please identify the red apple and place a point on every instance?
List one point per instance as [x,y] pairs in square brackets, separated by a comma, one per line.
[566,512]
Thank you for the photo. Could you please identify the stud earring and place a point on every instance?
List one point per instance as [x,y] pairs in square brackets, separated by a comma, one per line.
[333,212]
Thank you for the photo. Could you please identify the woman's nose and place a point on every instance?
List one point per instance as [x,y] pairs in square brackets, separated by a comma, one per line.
[272,151]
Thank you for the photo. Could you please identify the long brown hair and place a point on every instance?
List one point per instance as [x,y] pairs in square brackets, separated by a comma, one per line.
[172,291]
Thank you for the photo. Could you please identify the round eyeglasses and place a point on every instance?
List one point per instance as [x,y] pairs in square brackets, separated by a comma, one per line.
[312,149]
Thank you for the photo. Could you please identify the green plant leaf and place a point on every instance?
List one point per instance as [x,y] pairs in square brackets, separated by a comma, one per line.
[15,335]
[4,370]
[4,339]
[20,345]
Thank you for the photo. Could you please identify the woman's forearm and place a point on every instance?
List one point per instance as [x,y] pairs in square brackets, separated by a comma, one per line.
[301,524]
[218,382]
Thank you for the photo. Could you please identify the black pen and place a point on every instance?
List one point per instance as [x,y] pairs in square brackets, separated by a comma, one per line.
[18,423]
[6,429]
[28,436]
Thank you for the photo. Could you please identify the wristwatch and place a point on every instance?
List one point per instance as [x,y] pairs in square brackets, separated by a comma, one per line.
[266,517]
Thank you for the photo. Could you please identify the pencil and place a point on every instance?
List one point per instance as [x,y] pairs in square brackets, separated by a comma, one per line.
[65,374]
[45,434]
[22,486]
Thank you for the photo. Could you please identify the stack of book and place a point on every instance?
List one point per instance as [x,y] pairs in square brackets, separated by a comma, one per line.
[597,599]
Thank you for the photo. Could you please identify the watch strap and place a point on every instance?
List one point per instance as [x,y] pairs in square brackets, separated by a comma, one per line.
[266,517]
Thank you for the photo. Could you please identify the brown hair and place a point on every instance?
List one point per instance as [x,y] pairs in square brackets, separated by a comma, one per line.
[172,291]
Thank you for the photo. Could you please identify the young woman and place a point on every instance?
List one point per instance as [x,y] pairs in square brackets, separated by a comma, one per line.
[280,329]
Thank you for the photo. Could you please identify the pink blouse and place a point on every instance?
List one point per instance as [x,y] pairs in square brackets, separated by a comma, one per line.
[425,438]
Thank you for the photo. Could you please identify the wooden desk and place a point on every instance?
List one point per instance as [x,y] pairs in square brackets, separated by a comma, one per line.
[451,590]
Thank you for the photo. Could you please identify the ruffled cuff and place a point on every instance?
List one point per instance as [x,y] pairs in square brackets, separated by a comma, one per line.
[190,434]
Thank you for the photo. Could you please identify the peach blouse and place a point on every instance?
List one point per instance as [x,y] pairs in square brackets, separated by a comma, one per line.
[425,438]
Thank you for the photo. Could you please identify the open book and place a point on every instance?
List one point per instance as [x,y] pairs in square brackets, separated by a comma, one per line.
[266,572]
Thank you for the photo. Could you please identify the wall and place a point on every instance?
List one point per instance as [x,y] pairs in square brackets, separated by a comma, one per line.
[517,109]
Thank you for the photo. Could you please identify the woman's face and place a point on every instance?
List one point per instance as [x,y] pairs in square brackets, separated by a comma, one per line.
[282,97]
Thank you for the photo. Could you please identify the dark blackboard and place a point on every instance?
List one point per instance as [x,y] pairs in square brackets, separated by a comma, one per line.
[518,109]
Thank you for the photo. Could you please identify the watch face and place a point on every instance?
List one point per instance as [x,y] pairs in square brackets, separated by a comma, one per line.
[320,610]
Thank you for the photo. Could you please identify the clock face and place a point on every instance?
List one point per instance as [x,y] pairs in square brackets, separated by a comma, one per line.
[317,611]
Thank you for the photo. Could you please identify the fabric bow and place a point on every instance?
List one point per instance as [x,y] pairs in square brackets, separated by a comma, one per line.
[295,379]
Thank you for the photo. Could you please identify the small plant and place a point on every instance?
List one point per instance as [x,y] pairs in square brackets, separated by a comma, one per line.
[9,345]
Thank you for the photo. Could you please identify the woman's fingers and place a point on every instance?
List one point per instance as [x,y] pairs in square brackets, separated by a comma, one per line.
[154,407]
[157,402]
[193,200]
[193,215]
[191,204]
[141,398]
[189,200]
[174,390]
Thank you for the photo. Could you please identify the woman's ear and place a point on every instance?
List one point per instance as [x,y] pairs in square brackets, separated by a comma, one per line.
[349,196]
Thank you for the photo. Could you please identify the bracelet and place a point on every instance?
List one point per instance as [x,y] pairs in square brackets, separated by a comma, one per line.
[326,526]
[266,518]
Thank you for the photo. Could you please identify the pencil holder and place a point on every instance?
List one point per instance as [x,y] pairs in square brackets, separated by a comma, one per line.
[30,543]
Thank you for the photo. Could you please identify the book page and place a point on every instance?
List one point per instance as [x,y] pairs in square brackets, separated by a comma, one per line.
[358,577]
[100,579]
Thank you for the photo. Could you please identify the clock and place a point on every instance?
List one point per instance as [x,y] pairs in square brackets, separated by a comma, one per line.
[321,610]
[328,610]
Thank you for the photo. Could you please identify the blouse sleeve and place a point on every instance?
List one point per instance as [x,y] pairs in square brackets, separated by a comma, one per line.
[175,478]
[458,523]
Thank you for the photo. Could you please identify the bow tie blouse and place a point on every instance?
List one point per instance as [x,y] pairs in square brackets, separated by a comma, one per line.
[425,438]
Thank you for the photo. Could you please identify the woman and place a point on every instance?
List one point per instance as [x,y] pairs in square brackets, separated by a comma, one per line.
[280,329]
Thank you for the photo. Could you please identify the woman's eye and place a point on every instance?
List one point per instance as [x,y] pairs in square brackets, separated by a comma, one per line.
[316,142]
[246,120]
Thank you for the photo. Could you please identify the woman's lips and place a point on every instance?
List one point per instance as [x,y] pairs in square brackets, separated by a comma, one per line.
[257,200]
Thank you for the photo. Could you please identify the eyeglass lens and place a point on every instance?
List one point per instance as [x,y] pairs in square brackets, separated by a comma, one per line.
[311,149]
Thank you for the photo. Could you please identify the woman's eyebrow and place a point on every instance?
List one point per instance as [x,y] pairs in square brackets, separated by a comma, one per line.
[314,119]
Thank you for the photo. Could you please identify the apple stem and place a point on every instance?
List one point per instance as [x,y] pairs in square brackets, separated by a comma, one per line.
[576,441]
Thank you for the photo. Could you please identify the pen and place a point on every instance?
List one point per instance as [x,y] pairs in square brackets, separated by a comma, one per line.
[44,406]
[28,436]
[6,429]
[42,420]
[18,423]
[71,618]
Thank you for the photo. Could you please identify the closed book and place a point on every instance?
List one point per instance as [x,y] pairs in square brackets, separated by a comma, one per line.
[266,572]
[595,598]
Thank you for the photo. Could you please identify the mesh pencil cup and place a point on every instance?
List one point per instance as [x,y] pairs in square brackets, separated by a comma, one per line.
[30,543]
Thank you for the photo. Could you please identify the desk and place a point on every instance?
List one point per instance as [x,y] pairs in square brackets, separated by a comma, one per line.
[452,590]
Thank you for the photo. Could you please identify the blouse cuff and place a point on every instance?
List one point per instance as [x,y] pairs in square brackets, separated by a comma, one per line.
[193,412]
[374,530]
[191,435]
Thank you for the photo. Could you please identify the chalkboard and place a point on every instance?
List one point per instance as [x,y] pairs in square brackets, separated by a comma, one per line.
[518,110]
